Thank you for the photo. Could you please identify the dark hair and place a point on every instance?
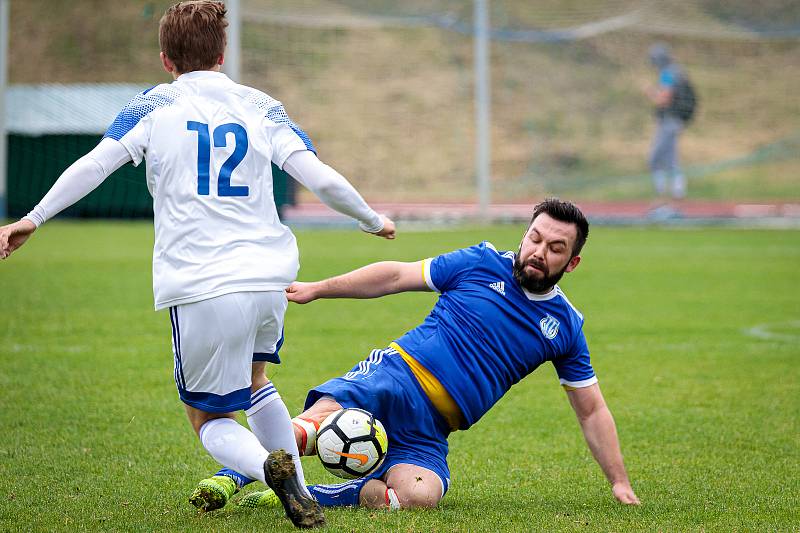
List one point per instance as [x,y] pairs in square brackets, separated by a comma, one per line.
[565,212]
[192,34]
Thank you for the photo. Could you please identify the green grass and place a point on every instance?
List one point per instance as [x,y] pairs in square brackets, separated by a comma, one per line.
[94,437]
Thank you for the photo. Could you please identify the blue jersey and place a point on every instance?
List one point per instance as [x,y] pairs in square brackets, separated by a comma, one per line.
[486,332]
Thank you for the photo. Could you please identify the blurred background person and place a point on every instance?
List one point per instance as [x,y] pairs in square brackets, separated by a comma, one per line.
[675,103]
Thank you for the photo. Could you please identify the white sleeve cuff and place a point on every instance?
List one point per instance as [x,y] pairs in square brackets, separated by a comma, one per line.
[374,226]
[579,384]
[35,216]
[426,269]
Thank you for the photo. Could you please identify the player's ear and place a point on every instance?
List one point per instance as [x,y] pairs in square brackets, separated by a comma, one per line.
[168,65]
[221,60]
[573,263]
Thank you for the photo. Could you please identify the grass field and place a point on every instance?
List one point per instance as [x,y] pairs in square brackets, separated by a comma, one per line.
[94,437]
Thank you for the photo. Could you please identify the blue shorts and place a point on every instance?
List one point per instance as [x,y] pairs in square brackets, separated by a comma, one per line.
[384,385]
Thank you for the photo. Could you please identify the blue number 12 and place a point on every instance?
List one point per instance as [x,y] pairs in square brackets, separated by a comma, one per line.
[224,187]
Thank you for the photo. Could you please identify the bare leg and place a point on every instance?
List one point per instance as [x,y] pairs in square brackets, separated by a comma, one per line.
[197,417]
[258,378]
[415,487]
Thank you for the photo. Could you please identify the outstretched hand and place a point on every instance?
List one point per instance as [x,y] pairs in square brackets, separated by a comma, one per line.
[300,292]
[624,493]
[388,231]
[12,236]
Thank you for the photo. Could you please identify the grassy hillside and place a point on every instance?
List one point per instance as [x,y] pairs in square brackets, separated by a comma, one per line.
[392,106]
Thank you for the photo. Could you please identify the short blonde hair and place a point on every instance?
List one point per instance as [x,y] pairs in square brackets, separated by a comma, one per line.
[192,34]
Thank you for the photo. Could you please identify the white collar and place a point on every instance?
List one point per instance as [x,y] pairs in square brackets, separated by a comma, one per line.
[541,297]
[201,74]
[538,297]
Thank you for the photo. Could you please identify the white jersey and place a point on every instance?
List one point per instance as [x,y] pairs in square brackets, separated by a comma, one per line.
[209,144]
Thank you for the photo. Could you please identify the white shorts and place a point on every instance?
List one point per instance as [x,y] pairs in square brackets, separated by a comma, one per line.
[216,341]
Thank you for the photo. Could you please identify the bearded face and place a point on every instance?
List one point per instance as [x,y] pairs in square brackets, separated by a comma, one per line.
[535,276]
[545,254]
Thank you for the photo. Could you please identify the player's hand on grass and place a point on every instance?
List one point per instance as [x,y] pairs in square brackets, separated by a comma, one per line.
[300,292]
[388,230]
[12,236]
[624,493]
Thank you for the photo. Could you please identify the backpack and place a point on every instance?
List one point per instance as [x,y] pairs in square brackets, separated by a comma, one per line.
[684,100]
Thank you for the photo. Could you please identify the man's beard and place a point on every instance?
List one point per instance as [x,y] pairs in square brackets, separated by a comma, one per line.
[534,285]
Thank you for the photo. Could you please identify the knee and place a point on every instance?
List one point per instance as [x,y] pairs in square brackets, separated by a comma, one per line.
[418,495]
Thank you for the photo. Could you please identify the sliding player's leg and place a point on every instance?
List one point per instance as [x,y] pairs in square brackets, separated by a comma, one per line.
[403,486]
[414,472]
[307,423]
[414,486]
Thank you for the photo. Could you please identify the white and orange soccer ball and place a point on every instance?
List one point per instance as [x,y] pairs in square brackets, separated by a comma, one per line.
[351,443]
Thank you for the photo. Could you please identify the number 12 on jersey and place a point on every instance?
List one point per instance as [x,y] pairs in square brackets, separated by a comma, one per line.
[224,187]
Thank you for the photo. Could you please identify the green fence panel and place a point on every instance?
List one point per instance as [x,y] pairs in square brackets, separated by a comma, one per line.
[35,163]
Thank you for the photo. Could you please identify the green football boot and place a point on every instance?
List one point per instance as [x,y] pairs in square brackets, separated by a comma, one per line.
[260,498]
[213,493]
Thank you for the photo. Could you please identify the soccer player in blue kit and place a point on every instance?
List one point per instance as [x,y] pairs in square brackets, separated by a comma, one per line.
[500,315]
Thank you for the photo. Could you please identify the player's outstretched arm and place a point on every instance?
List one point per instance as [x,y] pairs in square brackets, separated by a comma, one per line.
[336,192]
[81,178]
[371,281]
[601,436]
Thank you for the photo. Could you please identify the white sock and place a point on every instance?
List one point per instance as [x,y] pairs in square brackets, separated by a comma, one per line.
[392,501]
[269,421]
[233,446]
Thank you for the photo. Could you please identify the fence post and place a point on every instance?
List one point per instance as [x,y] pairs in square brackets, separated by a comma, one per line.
[4,14]
[483,138]
[233,53]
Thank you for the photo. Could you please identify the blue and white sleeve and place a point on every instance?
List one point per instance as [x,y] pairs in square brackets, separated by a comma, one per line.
[285,135]
[575,369]
[128,128]
[445,271]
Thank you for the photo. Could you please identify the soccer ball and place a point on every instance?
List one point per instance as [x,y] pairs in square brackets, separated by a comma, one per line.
[351,443]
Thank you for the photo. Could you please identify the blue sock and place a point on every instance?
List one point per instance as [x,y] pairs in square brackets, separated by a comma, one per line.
[339,494]
[240,479]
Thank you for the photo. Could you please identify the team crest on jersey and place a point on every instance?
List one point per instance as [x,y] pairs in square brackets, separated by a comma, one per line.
[549,326]
[499,286]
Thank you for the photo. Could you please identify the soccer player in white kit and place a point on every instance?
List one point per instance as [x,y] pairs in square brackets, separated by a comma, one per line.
[221,258]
